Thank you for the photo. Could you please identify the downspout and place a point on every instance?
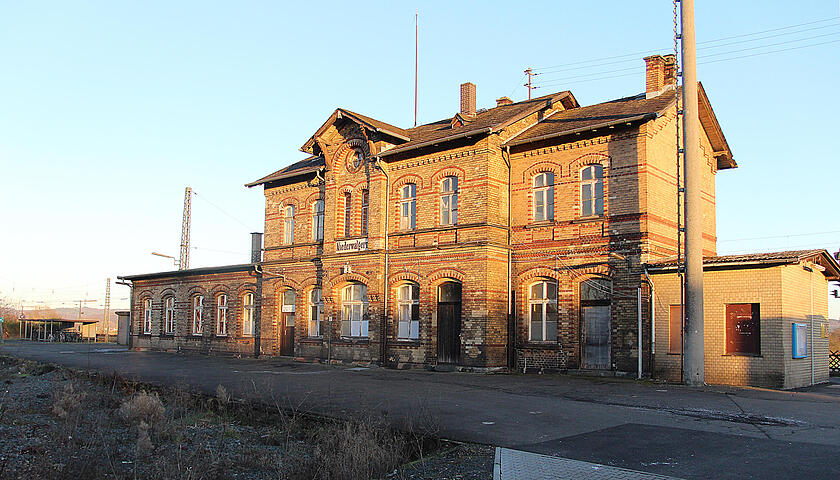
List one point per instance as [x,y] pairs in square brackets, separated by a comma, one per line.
[639,316]
[652,320]
[509,246]
[258,311]
[383,327]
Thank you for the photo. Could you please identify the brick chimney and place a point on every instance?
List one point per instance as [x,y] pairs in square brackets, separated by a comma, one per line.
[660,74]
[503,101]
[468,99]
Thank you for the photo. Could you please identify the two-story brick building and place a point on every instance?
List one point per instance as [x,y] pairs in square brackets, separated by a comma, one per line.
[514,236]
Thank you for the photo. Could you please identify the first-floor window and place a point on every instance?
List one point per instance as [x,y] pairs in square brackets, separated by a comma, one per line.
[316,310]
[365,210]
[592,191]
[408,311]
[289,225]
[221,314]
[147,315]
[449,201]
[248,314]
[354,311]
[169,315]
[543,311]
[743,329]
[198,306]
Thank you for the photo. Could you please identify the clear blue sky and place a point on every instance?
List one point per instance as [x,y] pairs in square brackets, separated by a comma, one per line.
[109,109]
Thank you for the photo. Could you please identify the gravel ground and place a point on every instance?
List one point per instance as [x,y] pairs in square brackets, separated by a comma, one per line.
[56,423]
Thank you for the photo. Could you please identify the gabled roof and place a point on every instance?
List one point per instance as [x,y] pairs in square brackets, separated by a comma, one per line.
[307,165]
[486,121]
[626,110]
[601,115]
[365,121]
[820,257]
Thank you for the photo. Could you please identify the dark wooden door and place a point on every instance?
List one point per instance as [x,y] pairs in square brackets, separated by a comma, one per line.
[287,334]
[596,324]
[449,323]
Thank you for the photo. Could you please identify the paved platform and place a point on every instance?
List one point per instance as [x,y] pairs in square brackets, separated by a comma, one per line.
[518,465]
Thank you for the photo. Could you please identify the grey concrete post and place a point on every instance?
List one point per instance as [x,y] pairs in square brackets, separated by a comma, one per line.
[693,367]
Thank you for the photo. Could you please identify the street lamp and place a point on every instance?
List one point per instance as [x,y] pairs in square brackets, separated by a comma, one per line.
[174,260]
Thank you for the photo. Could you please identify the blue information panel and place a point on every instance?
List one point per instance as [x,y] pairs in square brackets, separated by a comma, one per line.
[799,337]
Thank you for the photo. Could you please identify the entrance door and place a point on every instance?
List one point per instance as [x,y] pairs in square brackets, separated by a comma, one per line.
[286,324]
[596,321]
[449,323]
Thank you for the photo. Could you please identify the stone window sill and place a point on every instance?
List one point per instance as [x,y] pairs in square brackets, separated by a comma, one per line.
[591,218]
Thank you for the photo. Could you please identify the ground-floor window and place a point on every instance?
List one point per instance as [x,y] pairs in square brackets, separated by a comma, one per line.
[675,329]
[169,315]
[248,314]
[198,308]
[408,312]
[147,315]
[542,318]
[743,329]
[221,314]
[354,310]
[316,310]
[288,308]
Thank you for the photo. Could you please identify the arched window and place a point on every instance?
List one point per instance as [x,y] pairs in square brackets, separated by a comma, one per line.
[408,207]
[221,315]
[544,197]
[449,201]
[316,310]
[197,308]
[169,315]
[248,314]
[318,221]
[354,311]
[147,315]
[348,205]
[365,205]
[408,312]
[592,191]
[542,315]
[289,225]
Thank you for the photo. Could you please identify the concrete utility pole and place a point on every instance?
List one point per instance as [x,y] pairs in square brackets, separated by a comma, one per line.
[694,365]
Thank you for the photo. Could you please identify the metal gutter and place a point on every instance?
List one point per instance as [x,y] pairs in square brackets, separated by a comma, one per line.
[193,271]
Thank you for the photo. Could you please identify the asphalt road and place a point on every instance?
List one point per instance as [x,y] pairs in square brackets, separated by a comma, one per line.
[712,432]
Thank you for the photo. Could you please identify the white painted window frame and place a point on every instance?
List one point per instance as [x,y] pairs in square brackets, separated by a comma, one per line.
[221,314]
[354,312]
[197,314]
[288,225]
[542,304]
[543,197]
[169,315]
[248,314]
[408,324]
[408,206]
[449,200]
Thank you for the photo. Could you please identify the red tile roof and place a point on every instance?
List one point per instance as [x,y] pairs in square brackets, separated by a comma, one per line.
[818,256]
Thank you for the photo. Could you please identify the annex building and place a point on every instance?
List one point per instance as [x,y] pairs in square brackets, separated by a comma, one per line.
[511,237]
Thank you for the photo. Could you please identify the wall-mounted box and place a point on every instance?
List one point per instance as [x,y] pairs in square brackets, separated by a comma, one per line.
[799,340]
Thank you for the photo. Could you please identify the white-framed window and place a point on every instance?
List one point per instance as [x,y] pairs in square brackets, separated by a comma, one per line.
[248,314]
[147,315]
[221,314]
[288,307]
[354,311]
[348,208]
[316,311]
[318,221]
[169,315]
[365,208]
[449,201]
[408,207]
[408,312]
[591,190]
[544,197]
[542,315]
[289,225]
[198,314]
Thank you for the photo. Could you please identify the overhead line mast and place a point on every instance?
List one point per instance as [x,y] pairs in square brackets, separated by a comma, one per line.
[184,262]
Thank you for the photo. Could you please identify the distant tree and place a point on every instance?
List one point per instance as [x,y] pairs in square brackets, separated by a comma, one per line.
[11,325]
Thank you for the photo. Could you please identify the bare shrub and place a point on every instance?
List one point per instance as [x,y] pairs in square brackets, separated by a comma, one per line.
[67,402]
[143,407]
[222,396]
[345,450]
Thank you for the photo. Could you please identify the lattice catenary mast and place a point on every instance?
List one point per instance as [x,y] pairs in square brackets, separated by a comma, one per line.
[184,262]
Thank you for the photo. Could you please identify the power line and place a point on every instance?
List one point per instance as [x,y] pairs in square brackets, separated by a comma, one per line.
[601,73]
[237,220]
[636,54]
[781,236]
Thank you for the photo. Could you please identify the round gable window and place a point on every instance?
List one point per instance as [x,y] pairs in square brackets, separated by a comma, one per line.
[355,160]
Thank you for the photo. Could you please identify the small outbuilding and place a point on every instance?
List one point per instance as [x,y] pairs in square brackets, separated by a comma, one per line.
[765,318]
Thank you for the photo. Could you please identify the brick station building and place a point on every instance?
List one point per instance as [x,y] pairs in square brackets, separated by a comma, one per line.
[509,237]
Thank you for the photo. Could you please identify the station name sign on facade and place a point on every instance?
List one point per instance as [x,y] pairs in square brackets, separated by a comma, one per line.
[346,246]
